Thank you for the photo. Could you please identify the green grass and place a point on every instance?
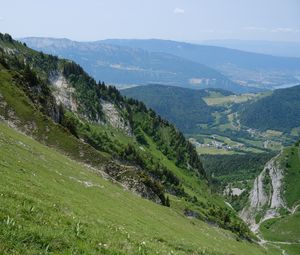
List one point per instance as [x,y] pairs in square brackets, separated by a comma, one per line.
[194,186]
[25,115]
[53,205]
[227,141]
[214,151]
[291,165]
[284,229]
[291,249]
[221,100]
[287,227]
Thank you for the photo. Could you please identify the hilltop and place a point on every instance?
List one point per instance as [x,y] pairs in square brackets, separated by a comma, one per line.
[185,108]
[279,111]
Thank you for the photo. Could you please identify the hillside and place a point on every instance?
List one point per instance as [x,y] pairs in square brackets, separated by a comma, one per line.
[273,206]
[245,68]
[279,111]
[58,104]
[79,212]
[183,107]
[126,66]
[219,122]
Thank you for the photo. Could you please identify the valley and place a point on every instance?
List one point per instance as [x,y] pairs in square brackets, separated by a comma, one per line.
[217,129]
[151,169]
[247,165]
[75,132]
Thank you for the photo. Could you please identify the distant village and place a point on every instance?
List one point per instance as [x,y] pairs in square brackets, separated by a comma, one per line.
[217,144]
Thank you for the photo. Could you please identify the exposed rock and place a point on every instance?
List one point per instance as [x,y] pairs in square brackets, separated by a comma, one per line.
[191,214]
[233,191]
[128,177]
[10,51]
[63,92]
[263,203]
[114,117]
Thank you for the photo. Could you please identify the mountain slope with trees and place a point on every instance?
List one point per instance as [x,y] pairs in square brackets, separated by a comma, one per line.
[279,111]
[183,107]
[55,102]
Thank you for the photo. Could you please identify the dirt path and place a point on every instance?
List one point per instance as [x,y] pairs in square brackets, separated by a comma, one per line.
[294,209]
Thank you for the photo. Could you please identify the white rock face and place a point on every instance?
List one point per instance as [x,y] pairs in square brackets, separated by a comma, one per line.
[233,191]
[63,92]
[114,118]
[276,175]
[258,197]
[237,191]
[268,204]
[10,51]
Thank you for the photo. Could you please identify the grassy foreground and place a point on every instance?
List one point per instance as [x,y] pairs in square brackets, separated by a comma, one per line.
[53,205]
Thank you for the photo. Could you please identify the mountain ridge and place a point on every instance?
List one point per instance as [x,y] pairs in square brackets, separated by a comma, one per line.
[135,66]
[252,69]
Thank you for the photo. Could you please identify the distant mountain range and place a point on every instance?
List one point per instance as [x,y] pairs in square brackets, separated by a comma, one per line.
[275,48]
[246,68]
[140,62]
[126,66]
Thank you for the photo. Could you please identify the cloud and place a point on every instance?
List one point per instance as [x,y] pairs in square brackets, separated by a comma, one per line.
[1,18]
[284,30]
[251,28]
[273,30]
[207,30]
[178,11]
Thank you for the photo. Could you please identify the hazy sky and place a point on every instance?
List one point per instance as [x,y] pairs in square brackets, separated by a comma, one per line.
[187,20]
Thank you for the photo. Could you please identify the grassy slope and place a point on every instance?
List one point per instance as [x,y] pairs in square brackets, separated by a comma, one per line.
[287,227]
[292,175]
[25,113]
[221,99]
[27,118]
[284,229]
[51,204]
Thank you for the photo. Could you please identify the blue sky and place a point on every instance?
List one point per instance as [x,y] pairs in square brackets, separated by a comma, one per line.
[186,20]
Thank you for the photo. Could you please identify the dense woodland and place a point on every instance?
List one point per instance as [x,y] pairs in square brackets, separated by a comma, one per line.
[280,111]
[183,107]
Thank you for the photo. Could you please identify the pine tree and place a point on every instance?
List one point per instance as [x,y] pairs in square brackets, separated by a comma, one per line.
[168,202]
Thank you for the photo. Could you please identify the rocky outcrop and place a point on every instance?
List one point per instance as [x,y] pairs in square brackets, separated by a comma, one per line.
[131,178]
[114,118]
[63,92]
[265,198]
